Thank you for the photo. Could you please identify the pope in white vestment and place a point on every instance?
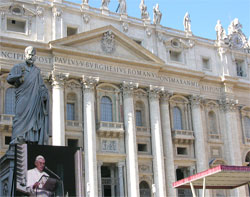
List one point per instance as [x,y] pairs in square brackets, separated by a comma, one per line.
[36,178]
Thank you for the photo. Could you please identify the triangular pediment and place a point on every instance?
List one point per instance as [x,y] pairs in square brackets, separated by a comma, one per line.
[107,42]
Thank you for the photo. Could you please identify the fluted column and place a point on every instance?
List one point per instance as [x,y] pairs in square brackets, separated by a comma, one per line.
[90,136]
[130,139]
[58,123]
[167,143]
[157,146]
[200,148]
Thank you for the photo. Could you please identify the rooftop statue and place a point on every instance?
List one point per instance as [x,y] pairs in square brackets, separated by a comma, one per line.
[157,14]
[220,31]
[105,4]
[187,22]
[234,27]
[31,122]
[144,12]
[122,7]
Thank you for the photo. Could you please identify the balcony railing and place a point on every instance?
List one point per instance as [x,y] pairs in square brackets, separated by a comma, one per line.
[73,124]
[214,136]
[183,136]
[107,129]
[6,119]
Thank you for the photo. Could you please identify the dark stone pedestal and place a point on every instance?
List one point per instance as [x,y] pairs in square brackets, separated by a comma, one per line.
[7,164]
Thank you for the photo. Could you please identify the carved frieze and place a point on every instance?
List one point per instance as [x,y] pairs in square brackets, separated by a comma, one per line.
[109,145]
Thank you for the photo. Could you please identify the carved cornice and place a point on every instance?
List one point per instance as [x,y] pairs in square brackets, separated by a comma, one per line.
[154,92]
[128,88]
[89,83]
[58,79]
[228,104]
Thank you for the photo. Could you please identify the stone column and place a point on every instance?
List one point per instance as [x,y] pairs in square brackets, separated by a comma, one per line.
[130,139]
[229,108]
[99,175]
[90,136]
[157,146]
[200,148]
[167,143]
[232,138]
[121,177]
[40,23]
[58,120]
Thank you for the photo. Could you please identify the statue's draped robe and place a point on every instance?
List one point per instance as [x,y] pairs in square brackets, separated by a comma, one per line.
[31,120]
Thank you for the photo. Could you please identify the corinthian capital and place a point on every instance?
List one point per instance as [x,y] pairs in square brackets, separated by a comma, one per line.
[165,95]
[128,88]
[228,104]
[154,92]
[89,82]
[58,79]
[195,100]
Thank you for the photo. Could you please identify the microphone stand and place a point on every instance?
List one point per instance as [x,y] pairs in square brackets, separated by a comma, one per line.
[59,178]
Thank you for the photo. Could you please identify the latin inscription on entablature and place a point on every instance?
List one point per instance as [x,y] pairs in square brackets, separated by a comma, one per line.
[114,69]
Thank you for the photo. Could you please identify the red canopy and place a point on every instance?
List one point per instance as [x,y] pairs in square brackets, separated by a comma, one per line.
[220,177]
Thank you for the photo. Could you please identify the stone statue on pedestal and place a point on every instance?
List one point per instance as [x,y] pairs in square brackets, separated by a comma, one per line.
[144,12]
[31,121]
[187,22]
[157,15]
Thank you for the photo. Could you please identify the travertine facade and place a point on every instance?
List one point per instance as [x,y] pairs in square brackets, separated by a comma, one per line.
[148,104]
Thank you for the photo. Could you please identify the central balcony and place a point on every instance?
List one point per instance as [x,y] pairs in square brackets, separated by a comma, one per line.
[74,125]
[110,129]
[183,136]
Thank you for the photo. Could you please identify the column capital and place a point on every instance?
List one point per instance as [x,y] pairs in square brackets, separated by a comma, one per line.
[128,88]
[165,96]
[89,82]
[58,79]
[228,104]
[195,100]
[99,163]
[154,92]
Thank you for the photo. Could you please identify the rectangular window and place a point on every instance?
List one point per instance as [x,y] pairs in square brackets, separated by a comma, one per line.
[142,147]
[175,56]
[16,25]
[72,142]
[70,111]
[138,118]
[206,64]
[240,68]
[71,31]
[182,151]
[7,140]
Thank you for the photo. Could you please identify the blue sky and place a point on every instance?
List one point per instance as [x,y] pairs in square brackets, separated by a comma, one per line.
[204,13]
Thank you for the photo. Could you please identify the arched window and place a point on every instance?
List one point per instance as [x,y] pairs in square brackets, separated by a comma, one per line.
[71,106]
[106,109]
[10,100]
[212,122]
[177,118]
[247,126]
[144,189]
